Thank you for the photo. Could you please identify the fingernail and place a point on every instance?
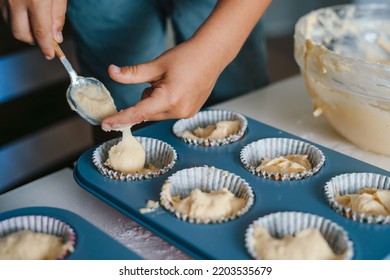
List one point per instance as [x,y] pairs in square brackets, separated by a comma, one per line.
[115,69]
[106,127]
[59,37]
[48,57]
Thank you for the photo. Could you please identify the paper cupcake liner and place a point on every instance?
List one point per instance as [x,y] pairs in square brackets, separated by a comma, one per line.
[288,223]
[252,154]
[205,118]
[351,183]
[40,224]
[206,179]
[158,153]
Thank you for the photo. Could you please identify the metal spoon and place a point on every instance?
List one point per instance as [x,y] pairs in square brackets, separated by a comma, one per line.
[86,88]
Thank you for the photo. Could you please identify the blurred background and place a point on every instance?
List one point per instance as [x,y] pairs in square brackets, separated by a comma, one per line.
[39,134]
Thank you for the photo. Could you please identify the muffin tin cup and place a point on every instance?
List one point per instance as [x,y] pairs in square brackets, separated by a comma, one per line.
[158,153]
[351,183]
[252,154]
[205,118]
[206,179]
[288,223]
[41,224]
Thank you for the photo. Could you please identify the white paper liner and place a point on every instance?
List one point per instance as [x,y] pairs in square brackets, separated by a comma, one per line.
[252,154]
[40,224]
[287,223]
[206,179]
[205,118]
[351,183]
[158,153]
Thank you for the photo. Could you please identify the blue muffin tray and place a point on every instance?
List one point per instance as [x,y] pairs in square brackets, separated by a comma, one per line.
[91,242]
[226,241]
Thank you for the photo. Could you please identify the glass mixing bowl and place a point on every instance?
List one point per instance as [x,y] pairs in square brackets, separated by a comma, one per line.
[344,56]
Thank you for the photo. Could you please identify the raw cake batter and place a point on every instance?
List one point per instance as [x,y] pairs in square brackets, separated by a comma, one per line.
[212,205]
[29,245]
[367,201]
[95,102]
[151,206]
[285,164]
[307,244]
[220,130]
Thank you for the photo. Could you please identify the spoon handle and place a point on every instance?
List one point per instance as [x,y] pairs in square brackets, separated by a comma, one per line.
[60,54]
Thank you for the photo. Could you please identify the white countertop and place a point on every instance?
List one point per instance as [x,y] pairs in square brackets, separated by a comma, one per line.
[283,105]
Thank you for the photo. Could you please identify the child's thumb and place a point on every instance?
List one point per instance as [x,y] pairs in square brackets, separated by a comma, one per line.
[136,74]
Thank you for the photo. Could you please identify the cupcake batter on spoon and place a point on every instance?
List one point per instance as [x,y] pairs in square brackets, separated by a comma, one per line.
[95,102]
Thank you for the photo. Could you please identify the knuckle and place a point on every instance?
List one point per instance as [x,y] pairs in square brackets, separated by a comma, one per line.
[173,105]
[39,32]
[184,112]
[178,107]
[129,73]
[138,117]
[59,21]
[11,3]
[21,36]
[18,35]
[132,69]
[35,3]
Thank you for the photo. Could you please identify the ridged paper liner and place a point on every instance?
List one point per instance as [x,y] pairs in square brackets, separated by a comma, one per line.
[252,154]
[205,118]
[287,223]
[351,183]
[158,153]
[39,224]
[206,179]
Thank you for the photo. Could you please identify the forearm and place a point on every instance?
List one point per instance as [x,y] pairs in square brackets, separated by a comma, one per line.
[224,32]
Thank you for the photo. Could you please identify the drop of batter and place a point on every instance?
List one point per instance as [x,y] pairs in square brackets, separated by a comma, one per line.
[128,156]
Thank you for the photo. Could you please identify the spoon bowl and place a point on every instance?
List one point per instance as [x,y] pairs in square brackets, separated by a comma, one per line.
[86,95]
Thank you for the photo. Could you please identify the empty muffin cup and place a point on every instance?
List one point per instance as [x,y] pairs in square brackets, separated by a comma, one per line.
[160,158]
[206,195]
[211,128]
[269,149]
[24,225]
[282,224]
[362,197]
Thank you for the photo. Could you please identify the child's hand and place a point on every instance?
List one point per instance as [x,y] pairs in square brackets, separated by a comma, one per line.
[181,80]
